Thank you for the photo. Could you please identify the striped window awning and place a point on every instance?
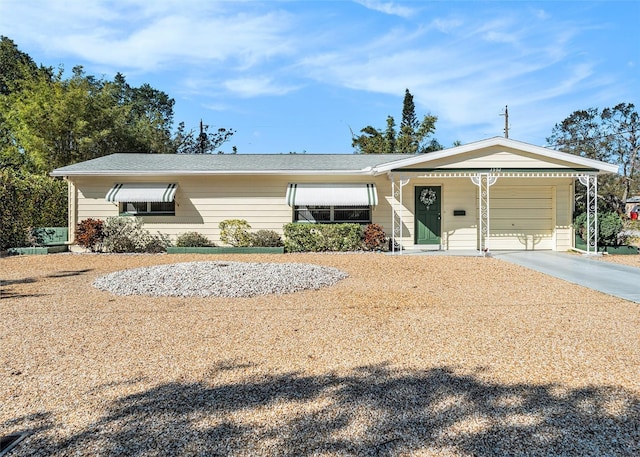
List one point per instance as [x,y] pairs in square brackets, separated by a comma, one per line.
[142,192]
[332,195]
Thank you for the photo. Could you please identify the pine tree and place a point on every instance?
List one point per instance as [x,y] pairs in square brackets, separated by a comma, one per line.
[409,140]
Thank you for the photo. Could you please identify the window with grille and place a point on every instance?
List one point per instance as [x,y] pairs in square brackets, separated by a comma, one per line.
[148,208]
[332,214]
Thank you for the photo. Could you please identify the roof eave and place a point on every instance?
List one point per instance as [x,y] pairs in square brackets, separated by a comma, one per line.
[364,172]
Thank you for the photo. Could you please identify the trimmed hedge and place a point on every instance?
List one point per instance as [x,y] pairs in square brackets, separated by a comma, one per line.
[322,237]
[29,200]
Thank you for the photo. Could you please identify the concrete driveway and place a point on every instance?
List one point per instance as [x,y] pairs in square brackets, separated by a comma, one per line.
[613,279]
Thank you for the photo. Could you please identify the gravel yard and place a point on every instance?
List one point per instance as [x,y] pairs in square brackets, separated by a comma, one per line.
[411,355]
[631,260]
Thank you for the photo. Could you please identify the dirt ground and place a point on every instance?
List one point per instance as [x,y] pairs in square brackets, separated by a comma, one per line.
[409,355]
[631,260]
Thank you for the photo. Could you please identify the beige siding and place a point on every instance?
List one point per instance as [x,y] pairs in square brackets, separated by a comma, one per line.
[564,216]
[495,157]
[526,213]
[505,160]
[203,202]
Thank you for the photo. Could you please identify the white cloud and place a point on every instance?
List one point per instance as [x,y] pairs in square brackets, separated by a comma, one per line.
[147,36]
[390,8]
[469,74]
[446,25]
[256,86]
[222,107]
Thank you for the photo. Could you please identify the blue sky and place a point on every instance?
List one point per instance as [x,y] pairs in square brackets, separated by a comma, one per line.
[301,75]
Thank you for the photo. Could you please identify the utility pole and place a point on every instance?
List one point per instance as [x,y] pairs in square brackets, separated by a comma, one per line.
[506,121]
[202,139]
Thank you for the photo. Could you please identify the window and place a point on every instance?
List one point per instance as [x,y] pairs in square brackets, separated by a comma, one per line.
[332,214]
[148,208]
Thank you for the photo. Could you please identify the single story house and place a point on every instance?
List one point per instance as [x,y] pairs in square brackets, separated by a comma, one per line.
[496,194]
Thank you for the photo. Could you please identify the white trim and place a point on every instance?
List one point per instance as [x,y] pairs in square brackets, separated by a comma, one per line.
[363,172]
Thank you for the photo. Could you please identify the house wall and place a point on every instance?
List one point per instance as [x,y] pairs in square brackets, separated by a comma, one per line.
[525,213]
[202,202]
[494,157]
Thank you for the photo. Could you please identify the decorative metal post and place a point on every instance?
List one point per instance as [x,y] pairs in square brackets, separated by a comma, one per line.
[396,220]
[591,183]
[484,181]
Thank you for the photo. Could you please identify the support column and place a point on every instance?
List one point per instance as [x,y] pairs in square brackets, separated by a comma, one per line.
[484,181]
[591,183]
[396,219]
[72,211]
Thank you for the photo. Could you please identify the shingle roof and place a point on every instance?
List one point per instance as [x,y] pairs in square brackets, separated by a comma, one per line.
[132,164]
[175,164]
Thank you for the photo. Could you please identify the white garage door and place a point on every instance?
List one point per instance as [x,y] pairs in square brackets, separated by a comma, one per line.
[521,218]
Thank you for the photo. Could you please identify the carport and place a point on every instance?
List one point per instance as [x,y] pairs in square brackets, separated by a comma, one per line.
[498,194]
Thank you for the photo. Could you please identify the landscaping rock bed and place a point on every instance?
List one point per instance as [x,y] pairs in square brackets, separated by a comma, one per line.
[219,279]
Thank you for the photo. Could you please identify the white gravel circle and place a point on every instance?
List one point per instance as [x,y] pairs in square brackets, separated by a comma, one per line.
[219,279]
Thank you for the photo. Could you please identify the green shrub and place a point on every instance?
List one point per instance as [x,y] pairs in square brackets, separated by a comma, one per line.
[322,237]
[235,232]
[266,239]
[29,200]
[13,227]
[610,228]
[156,244]
[127,234]
[89,234]
[374,238]
[193,240]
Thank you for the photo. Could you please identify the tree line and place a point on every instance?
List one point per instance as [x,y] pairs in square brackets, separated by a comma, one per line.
[611,135]
[49,120]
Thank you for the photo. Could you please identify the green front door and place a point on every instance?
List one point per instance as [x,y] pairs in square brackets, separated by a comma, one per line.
[427,223]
